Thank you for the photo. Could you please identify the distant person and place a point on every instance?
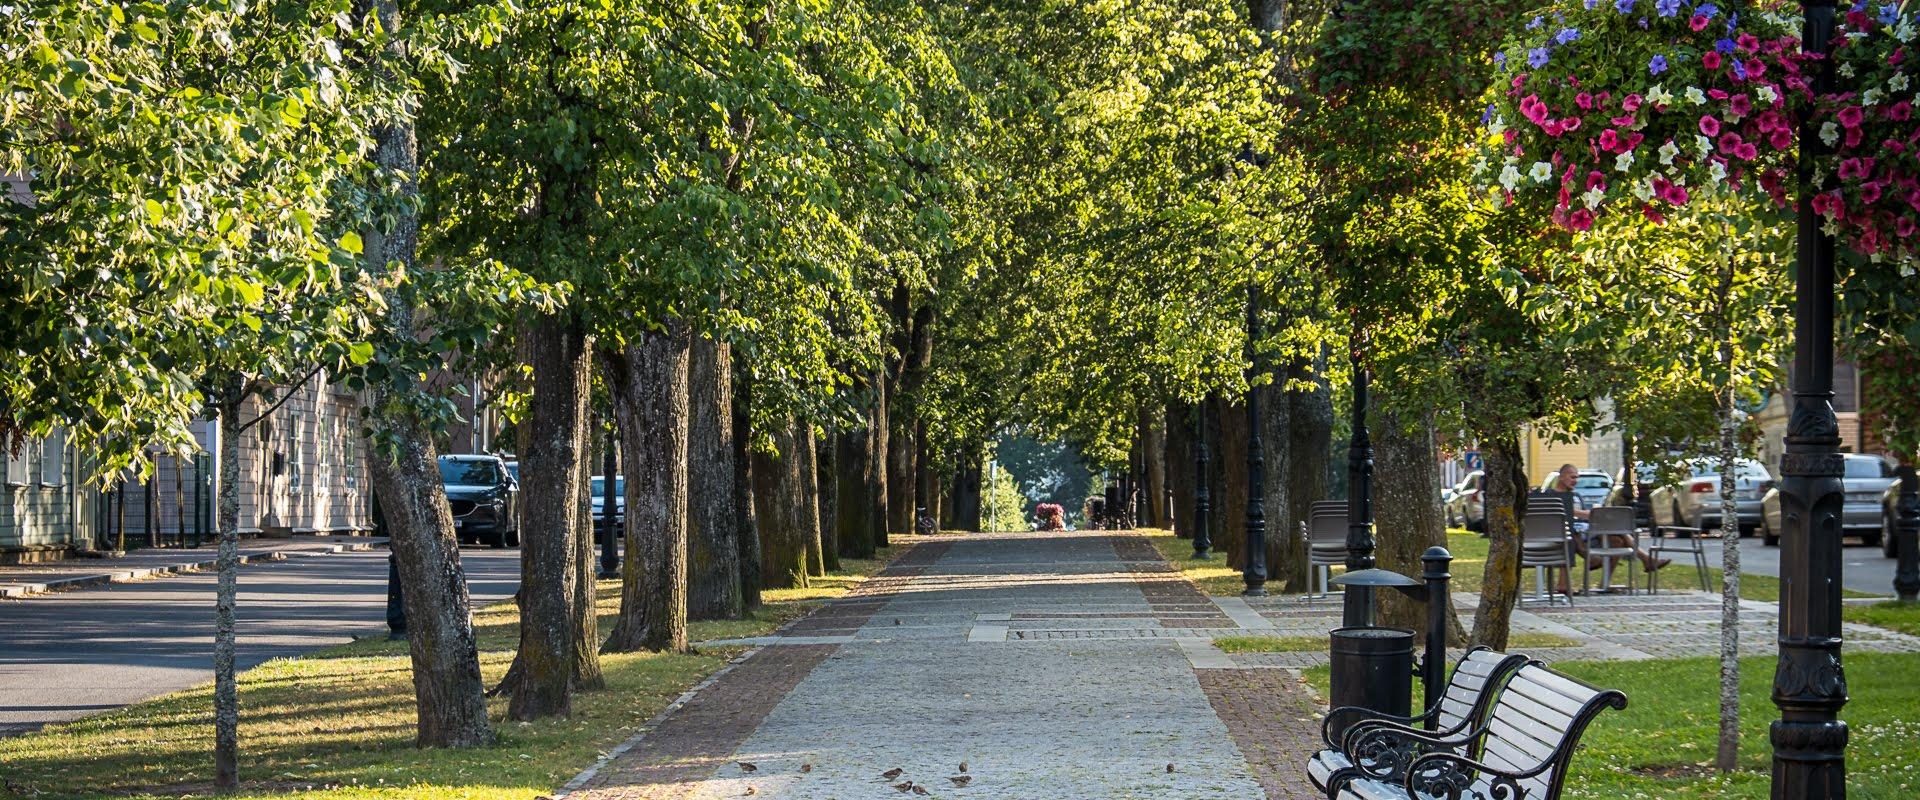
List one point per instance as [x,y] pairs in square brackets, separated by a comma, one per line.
[1577,516]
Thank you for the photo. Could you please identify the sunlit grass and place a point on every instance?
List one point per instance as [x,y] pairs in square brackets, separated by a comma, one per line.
[338,723]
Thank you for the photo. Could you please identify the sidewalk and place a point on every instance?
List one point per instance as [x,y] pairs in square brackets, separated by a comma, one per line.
[26,580]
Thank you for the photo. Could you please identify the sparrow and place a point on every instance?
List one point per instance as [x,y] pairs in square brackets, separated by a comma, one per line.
[903,787]
[1169,769]
[747,766]
[806,767]
[918,789]
[961,780]
[892,773]
[963,766]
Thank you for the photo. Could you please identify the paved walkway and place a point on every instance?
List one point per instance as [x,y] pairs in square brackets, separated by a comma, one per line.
[1006,666]
[72,654]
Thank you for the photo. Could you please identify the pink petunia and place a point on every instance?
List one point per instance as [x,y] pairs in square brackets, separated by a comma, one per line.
[1653,215]
[1709,126]
[1608,139]
[1710,59]
[1740,105]
[1827,204]
[1597,179]
[1870,192]
[1747,42]
[1746,151]
[1781,138]
[1631,103]
[1584,101]
[1729,141]
[1854,169]
[1913,199]
[1899,112]
[1698,23]
[1851,117]
[1853,137]
[1580,220]
[1755,68]
[1903,227]
[1570,124]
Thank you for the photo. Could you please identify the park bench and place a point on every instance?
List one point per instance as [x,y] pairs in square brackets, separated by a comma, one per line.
[1475,681]
[1520,753]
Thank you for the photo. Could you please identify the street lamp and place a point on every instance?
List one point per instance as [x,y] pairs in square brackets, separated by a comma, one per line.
[1255,572]
[1809,739]
[1358,607]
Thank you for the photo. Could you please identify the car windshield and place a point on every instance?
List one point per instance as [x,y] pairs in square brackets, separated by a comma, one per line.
[469,473]
[600,487]
[1865,467]
[1593,482]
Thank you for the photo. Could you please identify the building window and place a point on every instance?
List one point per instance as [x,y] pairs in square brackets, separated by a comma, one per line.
[17,465]
[53,459]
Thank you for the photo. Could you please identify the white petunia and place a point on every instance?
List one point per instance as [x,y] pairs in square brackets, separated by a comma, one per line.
[1766,94]
[1659,96]
[1703,146]
[1830,133]
[1871,97]
[1903,32]
[1695,96]
[1845,70]
[1898,82]
[1719,172]
[1480,166]
[1510,177]
[1623,162]
[1592,197]
[1667,152]
[1643,189]
[1541,172]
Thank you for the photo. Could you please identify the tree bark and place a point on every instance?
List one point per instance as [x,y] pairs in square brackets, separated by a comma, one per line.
[966,496]
[226,687]
[404,470]
[1286,549]
[926,491]
[1309,447]
[823,491]
[747,522]
[1153,468]
[900,475]
[1727,755]
[1406,514]
[1505,504]
[558,353]
[1179,461]
[853,493]
[1227,423]
[649,381]
[876,466]
[587,674]
[713,585]
[782,506]
[812,528]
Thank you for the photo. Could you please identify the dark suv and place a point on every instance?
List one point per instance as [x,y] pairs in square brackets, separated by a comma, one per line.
[484,499]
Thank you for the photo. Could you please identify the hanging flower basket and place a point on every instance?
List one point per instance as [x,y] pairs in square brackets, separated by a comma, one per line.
[1052,517]
[1873,205]
[1642,104]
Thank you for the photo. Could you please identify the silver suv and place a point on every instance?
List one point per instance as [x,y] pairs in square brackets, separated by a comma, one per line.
[1697,499]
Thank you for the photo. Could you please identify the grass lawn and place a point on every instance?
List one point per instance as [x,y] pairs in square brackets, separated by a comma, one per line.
[338,723]
[1270,644]
[1662,745]
[1893,615]
[1214,577]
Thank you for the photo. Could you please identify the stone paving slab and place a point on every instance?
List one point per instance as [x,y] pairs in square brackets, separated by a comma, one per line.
[27,580]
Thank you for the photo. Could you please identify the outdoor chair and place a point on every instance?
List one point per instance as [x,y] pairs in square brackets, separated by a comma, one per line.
[1521,752]
[1545,545]
[1603,525]
[1326,548]
[1669,536]
[1469,693]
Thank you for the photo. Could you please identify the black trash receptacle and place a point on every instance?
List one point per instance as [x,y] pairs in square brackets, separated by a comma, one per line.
[1372,668]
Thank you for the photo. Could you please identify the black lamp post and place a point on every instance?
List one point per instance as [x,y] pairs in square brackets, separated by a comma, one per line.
[1202,504]
[1906,537]
[1255,572]
[1809,739]
[1358,608]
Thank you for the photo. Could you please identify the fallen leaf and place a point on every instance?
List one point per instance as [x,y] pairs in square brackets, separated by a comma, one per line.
[1169,768]
[751,790]
[806,767]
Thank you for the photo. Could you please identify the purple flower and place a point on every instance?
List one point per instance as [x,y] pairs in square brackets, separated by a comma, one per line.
[1724,45]
[1537,57]
[1487,115]
[1707,10]
[1592,4]
[1623,6]
[1860,6]
[1889,14]
[1739,69]
[1667,8]
[1566,36]
[1535,23]
[1657,65]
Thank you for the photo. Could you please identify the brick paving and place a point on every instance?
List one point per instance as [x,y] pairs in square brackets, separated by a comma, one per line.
[1274,718]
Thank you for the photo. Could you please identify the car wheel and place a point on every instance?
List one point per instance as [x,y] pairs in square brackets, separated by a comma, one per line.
[1767,536]
[1875,538]
[513,538]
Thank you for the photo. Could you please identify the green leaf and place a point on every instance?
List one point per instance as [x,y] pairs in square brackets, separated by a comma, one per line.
[351,243]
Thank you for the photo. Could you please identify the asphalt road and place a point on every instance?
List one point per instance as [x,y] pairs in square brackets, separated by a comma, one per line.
[78,653]
[1864,570]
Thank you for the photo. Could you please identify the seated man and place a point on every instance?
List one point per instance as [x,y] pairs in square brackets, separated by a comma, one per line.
[1577,515]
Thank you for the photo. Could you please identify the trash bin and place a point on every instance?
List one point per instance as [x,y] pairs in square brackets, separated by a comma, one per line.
[1372,668]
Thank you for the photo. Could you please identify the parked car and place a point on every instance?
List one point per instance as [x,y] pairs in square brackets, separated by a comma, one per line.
[1592,486]
[483,497]
[1466,508]
[1865,512]
[1643,485]
[1697,499]
[599,490]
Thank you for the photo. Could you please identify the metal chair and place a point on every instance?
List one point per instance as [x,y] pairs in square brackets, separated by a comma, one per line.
[1668,538]
[1603,524]
[1545,545]
[1326,538]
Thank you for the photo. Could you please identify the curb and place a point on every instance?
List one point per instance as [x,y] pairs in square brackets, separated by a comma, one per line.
[18,591]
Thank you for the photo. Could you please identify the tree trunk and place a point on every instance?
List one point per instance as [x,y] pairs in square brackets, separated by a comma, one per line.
[1152,448]
[1227,422]
[876,466]
[404,470]
[649,382]
[1505,480]
[1406,514]
[557,352]
[746,522]
[782,506]
[853,493]
[900,478]
[713,585]
[1179,461]
[587,674]
[1727,756]
[226,687]
[812,527]
[1309,440]
[823,492]
[1286,549]
[926,489]
[966,496]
